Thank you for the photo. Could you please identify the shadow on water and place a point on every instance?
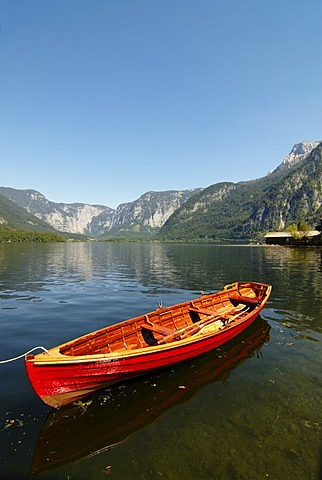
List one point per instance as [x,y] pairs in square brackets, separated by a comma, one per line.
[111,417]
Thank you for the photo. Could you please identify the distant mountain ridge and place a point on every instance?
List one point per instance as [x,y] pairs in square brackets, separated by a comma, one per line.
[139,218]
[226,210]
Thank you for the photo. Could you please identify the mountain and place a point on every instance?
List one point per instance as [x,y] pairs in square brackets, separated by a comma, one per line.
[140,218]
[147,214]
[244,210]
[14,217]
[291,193]
[299,152]
[73,218]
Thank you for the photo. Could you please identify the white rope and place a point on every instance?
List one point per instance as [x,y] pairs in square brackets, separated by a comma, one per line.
[24,354]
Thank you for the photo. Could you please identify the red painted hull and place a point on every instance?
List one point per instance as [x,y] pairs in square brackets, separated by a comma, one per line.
[62,382]
[107,424]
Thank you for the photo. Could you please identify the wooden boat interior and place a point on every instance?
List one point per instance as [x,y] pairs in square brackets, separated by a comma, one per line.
[171,323]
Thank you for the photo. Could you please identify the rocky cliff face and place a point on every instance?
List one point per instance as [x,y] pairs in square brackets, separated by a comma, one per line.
[143,216]
[12,216]
[148,213]
[72,218]
[299,152]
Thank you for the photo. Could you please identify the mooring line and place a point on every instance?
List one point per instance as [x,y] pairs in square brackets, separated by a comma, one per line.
[24,354]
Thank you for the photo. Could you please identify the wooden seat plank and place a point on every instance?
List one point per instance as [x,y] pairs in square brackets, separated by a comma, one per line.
[158,329]
[248,301]
[205,311]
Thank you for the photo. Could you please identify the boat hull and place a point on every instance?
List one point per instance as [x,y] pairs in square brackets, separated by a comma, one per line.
[64,380]
[109,423]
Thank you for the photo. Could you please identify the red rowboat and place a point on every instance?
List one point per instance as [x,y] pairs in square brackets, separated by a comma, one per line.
[145,343]
[110,418]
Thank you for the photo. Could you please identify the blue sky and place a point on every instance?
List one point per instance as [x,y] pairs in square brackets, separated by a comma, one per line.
[104,100]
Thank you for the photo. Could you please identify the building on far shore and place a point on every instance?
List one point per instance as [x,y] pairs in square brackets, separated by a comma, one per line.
[313,237]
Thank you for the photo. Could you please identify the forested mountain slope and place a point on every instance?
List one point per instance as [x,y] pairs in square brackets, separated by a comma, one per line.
[242,210]
[13,216]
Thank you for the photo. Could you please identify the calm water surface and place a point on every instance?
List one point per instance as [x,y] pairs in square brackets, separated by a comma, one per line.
[252,410]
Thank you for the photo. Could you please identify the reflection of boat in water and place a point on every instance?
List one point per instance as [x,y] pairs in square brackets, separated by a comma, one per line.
[111,417]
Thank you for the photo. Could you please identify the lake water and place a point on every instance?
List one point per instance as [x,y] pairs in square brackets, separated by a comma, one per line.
[252,410]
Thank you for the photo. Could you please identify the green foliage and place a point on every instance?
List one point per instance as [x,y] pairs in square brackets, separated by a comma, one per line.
[299,230]
[293,230]
[123,239]
[13,235]
[303,227]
